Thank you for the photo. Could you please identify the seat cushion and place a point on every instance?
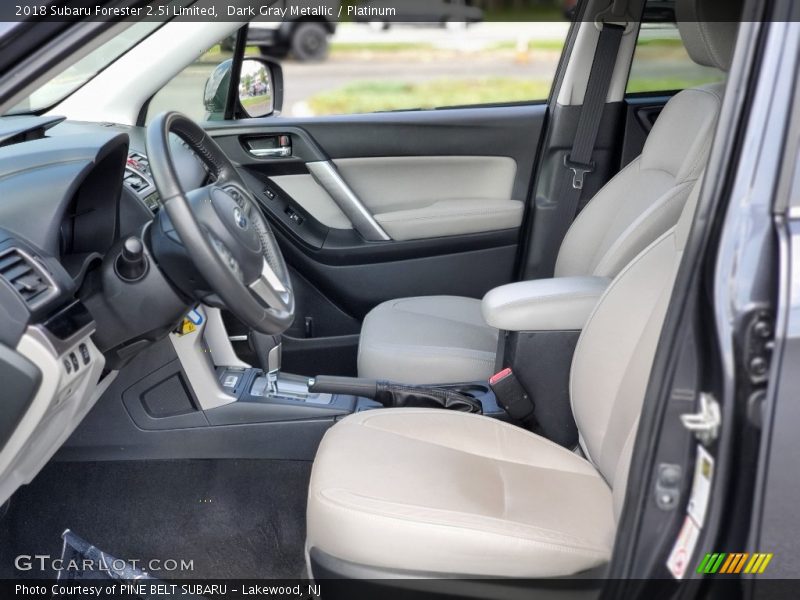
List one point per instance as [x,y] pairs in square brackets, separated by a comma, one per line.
[432,339]
[442,492]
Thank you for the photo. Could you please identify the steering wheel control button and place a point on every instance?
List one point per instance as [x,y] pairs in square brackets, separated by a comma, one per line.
[67,366]
[234,193]
[74,360]
[84,350]
[269,193]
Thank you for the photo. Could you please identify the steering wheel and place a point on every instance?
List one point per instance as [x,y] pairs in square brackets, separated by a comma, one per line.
[222,228]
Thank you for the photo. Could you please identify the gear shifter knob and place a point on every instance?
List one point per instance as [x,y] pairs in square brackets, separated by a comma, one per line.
[268,349]
[274,357]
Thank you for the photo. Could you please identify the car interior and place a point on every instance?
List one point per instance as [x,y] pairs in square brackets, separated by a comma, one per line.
[346,347]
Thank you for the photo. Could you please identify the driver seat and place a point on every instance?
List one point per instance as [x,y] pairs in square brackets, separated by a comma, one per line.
[440,493]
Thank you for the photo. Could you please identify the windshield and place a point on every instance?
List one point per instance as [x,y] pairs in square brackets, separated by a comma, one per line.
[76,75]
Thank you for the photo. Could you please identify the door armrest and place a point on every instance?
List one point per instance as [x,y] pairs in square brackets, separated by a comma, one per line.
[557,304]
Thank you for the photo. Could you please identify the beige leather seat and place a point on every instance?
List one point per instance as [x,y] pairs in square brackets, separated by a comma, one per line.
[445,339]
[447,493]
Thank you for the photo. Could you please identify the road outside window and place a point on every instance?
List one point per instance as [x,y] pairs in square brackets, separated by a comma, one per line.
[418,67]
[370,69]
[404,67]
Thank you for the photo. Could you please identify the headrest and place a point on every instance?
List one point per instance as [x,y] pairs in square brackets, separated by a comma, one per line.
[708,29]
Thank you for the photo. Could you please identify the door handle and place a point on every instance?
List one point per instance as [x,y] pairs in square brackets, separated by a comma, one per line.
[269,146]
[271,152]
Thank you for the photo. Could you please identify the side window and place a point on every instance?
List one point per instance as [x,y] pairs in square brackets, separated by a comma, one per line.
[373,66]
[185,92]
[380,66]
[661,63]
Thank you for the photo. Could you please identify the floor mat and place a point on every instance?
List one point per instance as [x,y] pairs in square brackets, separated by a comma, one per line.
[231,518]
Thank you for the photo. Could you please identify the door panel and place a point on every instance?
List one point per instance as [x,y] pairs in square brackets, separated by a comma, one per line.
[418,197]
[445,188]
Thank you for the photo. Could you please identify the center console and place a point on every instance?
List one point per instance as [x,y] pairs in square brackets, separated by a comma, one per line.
[266,394]
[540,323]
[209,388]
[264,397]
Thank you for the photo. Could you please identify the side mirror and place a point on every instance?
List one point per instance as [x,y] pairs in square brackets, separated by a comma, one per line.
[216,91]
[260,91]
[260,87]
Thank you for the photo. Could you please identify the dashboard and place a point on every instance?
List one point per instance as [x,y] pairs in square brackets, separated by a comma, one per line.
[70,194]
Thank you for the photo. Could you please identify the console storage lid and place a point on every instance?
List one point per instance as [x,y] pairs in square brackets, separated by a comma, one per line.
[557,304]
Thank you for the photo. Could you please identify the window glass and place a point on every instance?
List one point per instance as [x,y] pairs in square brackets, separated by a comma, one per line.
[373,67]
[76,75]
[186,91]
[661,63]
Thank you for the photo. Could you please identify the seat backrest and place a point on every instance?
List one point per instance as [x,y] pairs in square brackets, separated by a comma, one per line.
[614,356]
[615,352]
[646,198]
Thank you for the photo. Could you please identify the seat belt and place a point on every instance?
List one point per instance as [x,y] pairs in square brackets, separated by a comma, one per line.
[578,163]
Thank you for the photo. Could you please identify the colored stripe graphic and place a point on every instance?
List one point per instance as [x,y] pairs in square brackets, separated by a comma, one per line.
[702,567]
[767,558]
[733,563]
[717,564]
[729,562]
[740,565]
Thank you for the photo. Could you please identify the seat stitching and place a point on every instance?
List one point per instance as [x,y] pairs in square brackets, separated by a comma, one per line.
[441,318]
[547,299]
[459,415]
[664,203]
[532,436]
[447,217]
[578,545]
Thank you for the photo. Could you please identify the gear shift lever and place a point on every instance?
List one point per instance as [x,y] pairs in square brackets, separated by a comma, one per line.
[268,349]
[274,385]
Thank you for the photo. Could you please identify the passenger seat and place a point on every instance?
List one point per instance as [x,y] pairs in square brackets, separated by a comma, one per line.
[445,339]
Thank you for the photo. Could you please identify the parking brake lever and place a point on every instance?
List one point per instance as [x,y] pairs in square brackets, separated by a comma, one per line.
[394,395]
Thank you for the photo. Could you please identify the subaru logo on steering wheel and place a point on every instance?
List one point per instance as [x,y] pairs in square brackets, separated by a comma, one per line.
[239,217]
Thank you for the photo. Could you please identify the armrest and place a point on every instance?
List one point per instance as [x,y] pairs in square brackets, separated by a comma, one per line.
[451,217]
[557,304]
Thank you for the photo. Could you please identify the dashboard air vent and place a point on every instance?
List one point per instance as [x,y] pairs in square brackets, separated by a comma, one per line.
[26,277]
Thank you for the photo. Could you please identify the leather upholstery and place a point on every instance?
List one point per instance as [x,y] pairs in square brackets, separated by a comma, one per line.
[444,339]
[449,493]
[451,217]
[445,492]
[645,198]
[557,304]
[709,30]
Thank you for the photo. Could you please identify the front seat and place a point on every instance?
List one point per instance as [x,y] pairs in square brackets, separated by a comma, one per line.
[445,339]
[432,493]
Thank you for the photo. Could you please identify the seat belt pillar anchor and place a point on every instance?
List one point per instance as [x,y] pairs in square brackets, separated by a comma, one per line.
[579,171]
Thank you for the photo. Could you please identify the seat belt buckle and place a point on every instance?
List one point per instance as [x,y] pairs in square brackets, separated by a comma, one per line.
[579,171]
[511,395]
